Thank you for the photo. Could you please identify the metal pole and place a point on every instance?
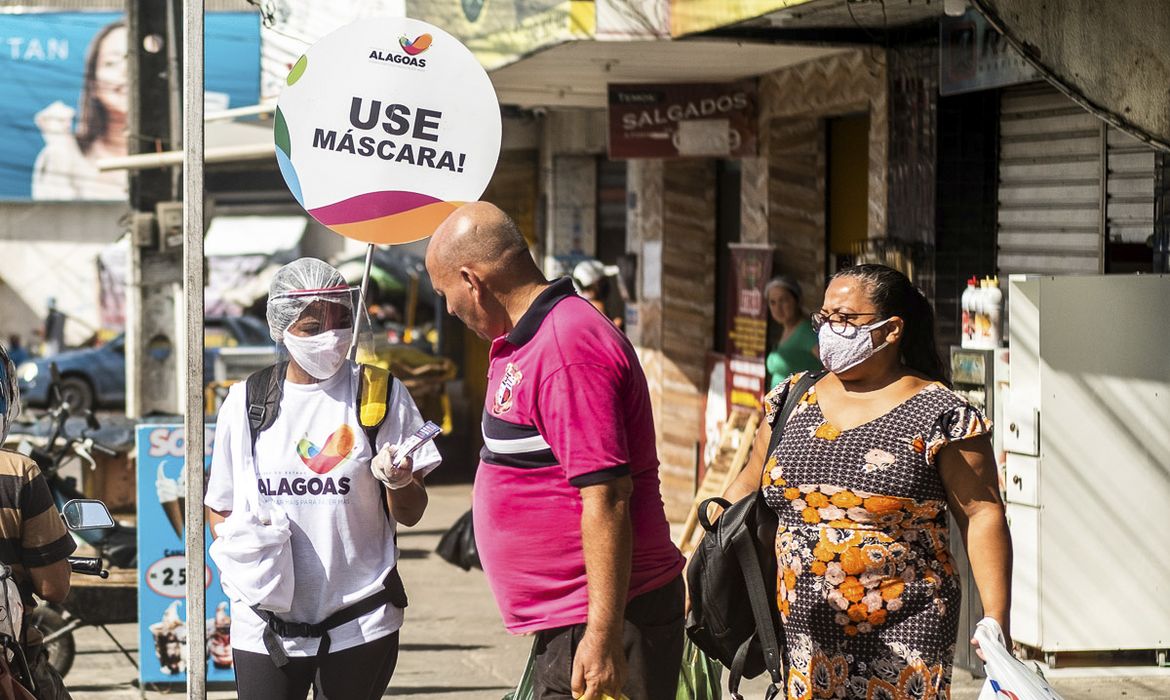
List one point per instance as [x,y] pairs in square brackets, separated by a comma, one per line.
[193,292]
[360,312]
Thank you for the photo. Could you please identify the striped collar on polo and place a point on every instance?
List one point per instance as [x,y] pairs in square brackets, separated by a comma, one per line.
[528,324]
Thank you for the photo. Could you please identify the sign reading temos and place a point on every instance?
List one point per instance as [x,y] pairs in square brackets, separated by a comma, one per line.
[683,119]
[385,127]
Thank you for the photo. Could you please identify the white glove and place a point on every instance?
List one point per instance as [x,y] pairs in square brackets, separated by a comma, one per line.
[395,477]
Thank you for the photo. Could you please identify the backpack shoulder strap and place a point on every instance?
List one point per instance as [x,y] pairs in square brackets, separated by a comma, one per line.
[373,395]
[797,391]
[264,389]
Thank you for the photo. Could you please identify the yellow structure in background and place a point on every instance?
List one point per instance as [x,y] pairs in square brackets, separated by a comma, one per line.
[692,16]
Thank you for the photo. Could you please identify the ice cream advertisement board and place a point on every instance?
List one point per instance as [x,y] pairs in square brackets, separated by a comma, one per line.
[386,126]
[162,569]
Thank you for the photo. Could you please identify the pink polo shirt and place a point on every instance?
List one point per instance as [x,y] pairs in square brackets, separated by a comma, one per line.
[567,406]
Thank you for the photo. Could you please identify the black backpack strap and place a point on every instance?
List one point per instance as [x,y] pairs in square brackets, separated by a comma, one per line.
[392,593]
[765,635]
[264,389]
[797,392]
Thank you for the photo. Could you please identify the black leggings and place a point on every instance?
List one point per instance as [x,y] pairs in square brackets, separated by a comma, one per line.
[358,673]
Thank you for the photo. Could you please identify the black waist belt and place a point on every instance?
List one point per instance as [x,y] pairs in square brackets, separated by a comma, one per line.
[393,592]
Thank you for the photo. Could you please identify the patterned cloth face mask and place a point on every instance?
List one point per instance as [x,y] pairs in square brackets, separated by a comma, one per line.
[843,352]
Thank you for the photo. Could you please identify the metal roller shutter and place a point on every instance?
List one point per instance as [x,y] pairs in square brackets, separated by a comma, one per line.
[1053,159]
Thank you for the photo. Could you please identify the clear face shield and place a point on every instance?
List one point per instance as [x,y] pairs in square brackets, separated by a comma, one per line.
[311,311]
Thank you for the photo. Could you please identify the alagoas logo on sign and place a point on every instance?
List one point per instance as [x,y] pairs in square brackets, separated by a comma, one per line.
[409,51]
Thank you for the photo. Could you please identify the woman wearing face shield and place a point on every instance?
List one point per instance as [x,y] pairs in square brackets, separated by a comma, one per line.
[872,458]
[342,496]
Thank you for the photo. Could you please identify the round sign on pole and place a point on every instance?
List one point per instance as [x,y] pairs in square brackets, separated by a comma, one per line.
[385,127]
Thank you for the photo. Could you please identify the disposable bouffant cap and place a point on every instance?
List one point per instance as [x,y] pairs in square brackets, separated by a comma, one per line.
[785,282]
[298,284]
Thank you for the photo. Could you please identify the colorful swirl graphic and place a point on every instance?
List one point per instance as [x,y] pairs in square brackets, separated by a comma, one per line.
[336,450]
[421,43]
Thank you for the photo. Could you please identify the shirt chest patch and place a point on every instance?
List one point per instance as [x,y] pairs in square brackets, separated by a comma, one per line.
[506,393]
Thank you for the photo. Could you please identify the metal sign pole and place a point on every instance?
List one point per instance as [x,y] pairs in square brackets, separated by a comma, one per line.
[360,311]
[193,293]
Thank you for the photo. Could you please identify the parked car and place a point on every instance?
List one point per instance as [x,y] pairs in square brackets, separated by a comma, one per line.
[96,377]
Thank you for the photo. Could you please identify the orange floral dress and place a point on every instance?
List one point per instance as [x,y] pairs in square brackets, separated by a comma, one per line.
[865,582]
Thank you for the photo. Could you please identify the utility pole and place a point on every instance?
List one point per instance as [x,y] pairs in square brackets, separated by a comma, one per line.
[154,351]
[193,342]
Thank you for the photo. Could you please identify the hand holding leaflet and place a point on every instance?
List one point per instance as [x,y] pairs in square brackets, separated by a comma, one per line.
[393,465]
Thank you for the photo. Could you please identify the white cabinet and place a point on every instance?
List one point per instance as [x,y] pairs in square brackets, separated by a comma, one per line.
[1088,465]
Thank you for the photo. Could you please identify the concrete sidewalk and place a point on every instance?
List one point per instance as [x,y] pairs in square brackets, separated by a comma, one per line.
[454,645]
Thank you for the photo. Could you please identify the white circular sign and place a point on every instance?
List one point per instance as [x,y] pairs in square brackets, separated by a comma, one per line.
[385,127]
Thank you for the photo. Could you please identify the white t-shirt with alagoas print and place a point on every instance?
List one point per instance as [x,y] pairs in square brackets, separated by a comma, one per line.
[314,462]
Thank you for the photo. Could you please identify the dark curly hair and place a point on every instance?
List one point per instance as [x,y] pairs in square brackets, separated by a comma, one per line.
[893,294]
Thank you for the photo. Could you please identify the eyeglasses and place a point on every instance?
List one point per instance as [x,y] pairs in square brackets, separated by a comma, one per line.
[839,323]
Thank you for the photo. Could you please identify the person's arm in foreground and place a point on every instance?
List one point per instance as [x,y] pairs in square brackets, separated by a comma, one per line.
[970,475]
[51,582]
[599,666]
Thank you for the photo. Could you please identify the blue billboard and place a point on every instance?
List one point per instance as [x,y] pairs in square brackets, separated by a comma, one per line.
[162,567]
[65,96]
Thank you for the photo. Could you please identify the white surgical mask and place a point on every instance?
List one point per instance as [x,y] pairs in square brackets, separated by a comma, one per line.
[320,355]
[840,353]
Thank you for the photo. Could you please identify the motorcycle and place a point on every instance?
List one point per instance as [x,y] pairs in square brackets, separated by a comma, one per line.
[81,515]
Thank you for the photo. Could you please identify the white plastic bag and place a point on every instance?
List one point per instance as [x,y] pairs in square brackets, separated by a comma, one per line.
[254,557]
[253,551]
[1007,677]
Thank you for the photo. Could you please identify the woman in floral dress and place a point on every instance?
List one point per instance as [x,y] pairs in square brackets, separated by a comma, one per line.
[873,458]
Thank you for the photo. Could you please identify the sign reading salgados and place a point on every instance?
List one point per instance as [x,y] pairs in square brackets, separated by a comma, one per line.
[385,127]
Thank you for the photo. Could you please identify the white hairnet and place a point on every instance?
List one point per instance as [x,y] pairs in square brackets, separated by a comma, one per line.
[9,394]
[298,284]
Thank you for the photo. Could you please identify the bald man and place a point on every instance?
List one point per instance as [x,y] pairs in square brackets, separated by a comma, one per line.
[569,518]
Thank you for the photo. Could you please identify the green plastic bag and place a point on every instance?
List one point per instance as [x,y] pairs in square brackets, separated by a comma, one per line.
[700,676]
[523,689]
[698,680]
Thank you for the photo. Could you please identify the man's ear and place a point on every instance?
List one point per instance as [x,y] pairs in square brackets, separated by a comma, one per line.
[471,281]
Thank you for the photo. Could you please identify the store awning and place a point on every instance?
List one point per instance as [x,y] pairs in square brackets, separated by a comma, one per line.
[253,235]
[575,74]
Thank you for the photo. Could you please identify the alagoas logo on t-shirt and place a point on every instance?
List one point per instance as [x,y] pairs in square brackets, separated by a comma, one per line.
[507,391]
[339,446]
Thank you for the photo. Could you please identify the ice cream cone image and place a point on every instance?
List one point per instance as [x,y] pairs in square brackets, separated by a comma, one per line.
[171,497]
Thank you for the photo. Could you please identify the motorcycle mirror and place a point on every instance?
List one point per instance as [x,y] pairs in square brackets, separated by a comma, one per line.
[85,514]
[91,421]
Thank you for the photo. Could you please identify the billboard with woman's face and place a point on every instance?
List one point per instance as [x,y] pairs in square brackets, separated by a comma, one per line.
[65,97]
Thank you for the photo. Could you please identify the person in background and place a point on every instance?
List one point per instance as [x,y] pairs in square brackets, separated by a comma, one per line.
[873,459]
[796,350]
[16,351]
[592,280]
[568,511]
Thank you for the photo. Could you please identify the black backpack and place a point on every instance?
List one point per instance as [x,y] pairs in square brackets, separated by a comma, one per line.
[732,579]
